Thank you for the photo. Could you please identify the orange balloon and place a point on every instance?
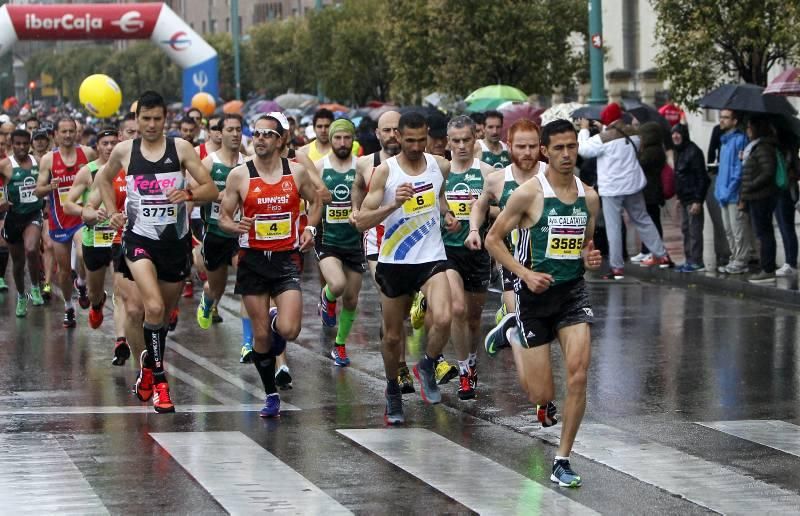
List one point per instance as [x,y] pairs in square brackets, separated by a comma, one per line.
[204,102]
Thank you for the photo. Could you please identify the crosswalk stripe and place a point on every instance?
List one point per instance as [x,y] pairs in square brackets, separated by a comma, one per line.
[38,477]
[705,483]
[776,434]
[244,477]
[451,468]
[125,409]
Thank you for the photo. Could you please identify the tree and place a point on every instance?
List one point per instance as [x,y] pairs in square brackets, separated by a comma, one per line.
[223,44]
[705,43]
[280,57]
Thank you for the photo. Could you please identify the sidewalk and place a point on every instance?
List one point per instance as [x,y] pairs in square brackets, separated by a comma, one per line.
[784,290]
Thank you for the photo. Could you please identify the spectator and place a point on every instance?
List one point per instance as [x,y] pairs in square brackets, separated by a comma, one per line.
[729,179]
[784,212]
[672,113]
[722,252]
[691,186]
[759,193]
[652,159]
[620,181]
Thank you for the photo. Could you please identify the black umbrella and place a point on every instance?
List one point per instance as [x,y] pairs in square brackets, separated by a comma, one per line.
[746,97]
[646,113]
[590,112]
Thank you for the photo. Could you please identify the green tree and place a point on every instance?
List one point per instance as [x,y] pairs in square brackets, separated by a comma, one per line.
[705,43]
[223,44]
[279,56]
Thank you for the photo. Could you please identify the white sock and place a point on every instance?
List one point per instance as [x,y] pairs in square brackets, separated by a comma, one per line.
[463,366]
[69,305]
[472,359]
[81,282]
[558,457]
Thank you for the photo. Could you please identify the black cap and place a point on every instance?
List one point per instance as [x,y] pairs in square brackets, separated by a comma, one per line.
[437,126]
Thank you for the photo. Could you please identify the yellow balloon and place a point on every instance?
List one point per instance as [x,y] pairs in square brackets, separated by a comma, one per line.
[204,102]
[100,95]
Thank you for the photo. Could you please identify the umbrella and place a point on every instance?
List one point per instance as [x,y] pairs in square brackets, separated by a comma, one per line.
[518,111]
[266,106]
[590,112]
[497,91]
[787,83]
[746,97]
[295,100]
[233,106]
[481,105]
[559,112]
[375,113]
[645,113]
[434,99]
[334,107]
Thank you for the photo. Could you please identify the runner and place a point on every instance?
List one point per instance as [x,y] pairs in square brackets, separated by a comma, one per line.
[554,215]
[321,146]
[406,195]
[41,145]
[468,271]
[524,138]
[23,224]
[388,134]
[156,239]
[214,141]
[219,247]
[268,191]
[490,149]
[339,250]
[55,179]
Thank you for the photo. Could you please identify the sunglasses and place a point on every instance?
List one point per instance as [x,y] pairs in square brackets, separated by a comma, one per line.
[265,133]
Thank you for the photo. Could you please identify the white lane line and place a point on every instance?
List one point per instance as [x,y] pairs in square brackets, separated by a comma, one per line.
[776,434]
[38,477]
[127,409]
[224,374]
[705,483]
[450,468]
[244,477]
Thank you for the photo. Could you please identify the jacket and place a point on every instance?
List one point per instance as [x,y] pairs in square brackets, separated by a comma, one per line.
[652,159]
[729,177]
[691,176]
[618,170]
[758,172]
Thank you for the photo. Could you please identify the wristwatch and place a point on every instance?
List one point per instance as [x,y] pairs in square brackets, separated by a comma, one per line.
[313,230]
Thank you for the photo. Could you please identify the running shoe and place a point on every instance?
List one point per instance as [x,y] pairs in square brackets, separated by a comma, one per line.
[188,289]
[639,258]
[327,310]
[143,388]
[246,353]
[339,355]
[215,317]
[733,268]
[444,371]
[465,390]
[173,319]
[501,312]
[69,318]
[272,406]
[496,338]
[427,383]
[47,291]
[393,414]
[786,270]
[83,295]
[614,274]
[162,403]
[418,309]
[96,314]
[546,414]
[203,315]
[22,305]
[122,352]
[662,262]
[405,380]
[283,379]
[563,474]
[36,296]
[3,285]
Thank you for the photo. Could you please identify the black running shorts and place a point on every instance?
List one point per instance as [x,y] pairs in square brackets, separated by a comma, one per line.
[405,279]
[472,266]
[218,251]
[172,259]
[267,272]
[540,316]
[15,225]
[353,259]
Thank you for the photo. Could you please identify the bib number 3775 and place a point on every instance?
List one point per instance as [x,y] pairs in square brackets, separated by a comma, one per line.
[158,212]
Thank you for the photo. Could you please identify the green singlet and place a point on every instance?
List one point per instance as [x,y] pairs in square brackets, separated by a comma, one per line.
[100,235]
[498,161]
[210,212]
[336,228]
[460,189]
[21,186]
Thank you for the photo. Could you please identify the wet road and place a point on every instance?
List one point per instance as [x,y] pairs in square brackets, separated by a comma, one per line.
[692,408]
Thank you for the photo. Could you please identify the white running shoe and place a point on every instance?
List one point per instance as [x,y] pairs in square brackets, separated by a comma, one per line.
[639,258]
[786,270]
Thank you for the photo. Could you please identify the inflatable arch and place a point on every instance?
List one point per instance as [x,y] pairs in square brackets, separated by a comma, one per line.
[155,21]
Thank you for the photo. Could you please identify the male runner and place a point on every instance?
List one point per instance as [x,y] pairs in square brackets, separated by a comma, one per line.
[490,149]
[340,253]
[555,215]
[219,246]
[41,145]
[387,134]
[268,190]
[406,195]
[214,141]
[189,129]
[523,136]
[321,146]
[128,128]
[156,239]
[23,224]
[57,170]
[468,271]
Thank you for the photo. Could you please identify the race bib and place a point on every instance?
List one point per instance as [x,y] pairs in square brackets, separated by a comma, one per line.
[2,194]
[459,203]
[564,243]
[273,226]
[338,212]
[26,195]
[215,210]
[422,201]
[63,193]
[104,236]
[157,212]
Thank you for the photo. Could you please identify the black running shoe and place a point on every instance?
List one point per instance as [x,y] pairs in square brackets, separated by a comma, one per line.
[69,318]
[283,380]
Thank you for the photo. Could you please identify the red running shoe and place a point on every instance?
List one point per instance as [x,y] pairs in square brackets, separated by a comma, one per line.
[96,314]
[188,289]
[143,388]
[161,400]
[173,319]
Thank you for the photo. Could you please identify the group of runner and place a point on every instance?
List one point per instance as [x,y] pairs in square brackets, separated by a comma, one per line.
[426,226]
